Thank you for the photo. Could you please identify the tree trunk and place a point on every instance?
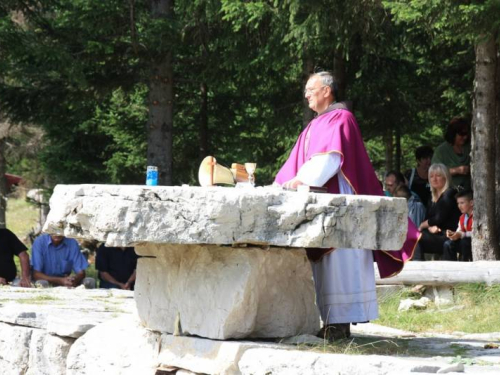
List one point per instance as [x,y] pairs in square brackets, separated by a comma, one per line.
[398,149]
[307,70]
[3,185]
[160,121]
[497,143]
[203,151]
[389,150]
[339,71]
[484,124]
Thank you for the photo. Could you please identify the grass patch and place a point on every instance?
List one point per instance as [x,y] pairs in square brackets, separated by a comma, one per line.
[479,301]
[38,300]
[21,217]
[361,345]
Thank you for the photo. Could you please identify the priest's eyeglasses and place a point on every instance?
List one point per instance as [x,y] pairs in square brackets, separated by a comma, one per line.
[310,91]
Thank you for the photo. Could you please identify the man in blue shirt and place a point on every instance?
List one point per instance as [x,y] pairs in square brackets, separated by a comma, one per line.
[54,258]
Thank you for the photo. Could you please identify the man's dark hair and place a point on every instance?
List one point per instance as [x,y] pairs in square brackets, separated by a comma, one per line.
[400,179]
[456,125]
[403,192]
[423,152]
[467,194]
[328,79]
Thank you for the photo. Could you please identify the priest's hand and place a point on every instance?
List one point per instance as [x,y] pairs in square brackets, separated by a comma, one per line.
[292,184]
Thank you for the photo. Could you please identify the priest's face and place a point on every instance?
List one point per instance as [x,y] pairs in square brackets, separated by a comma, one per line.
[317,94]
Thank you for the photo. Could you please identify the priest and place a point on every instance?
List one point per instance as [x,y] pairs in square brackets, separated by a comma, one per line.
[330,153]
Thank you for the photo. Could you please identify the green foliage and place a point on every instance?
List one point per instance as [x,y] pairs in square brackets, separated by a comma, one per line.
[79,69]
[122,119]
[476,301]
[22,217]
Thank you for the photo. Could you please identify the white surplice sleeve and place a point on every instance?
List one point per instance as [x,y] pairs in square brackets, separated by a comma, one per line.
[319,169]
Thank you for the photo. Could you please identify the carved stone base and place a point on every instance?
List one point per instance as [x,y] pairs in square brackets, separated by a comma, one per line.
[222,292]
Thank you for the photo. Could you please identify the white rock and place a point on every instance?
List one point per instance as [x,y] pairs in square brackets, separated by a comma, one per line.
[47,353]
[428,369]
[440,295]
[48,308]
[294,362]
[14,349]
[24,315]
[457,367]
[38,195]
[222,292]
[72,325]
[124,215]
[119,346]
[203,355]
[419,304]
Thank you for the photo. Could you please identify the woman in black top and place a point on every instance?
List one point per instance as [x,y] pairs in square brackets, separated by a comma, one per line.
[443,213]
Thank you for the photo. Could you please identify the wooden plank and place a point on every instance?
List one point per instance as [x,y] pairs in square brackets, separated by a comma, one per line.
[445,273]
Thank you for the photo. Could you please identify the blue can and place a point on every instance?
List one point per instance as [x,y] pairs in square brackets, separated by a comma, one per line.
[152,176]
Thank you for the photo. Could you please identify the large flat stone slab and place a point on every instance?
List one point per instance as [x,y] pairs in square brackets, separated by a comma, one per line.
[62,311]
[222,292]
[124,346]
[119,346]
[127,215]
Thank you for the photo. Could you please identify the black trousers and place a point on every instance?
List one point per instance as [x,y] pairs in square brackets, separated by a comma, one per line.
[463,247]
[430,243]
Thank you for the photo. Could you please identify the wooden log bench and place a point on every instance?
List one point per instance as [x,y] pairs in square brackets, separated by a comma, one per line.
[445,273]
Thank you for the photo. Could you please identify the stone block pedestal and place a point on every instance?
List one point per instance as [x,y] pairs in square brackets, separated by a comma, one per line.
[222,292]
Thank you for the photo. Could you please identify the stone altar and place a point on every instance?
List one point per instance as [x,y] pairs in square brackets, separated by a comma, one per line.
[225,262]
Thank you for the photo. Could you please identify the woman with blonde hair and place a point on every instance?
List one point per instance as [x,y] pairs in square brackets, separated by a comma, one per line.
[443,213]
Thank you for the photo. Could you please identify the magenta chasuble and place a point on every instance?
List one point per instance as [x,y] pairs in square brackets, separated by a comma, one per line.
[337,131]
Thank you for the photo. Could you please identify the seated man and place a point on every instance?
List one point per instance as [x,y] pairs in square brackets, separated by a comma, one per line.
[10,246]
[116,266]
[54,258]
[416,210]
[393,180]
[460,241]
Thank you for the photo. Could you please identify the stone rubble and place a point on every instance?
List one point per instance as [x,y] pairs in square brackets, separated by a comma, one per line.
[418,304]
[440,295]
[119,344]
[457,367]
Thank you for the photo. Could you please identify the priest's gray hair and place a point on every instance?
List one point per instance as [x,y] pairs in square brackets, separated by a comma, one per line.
[328,79]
